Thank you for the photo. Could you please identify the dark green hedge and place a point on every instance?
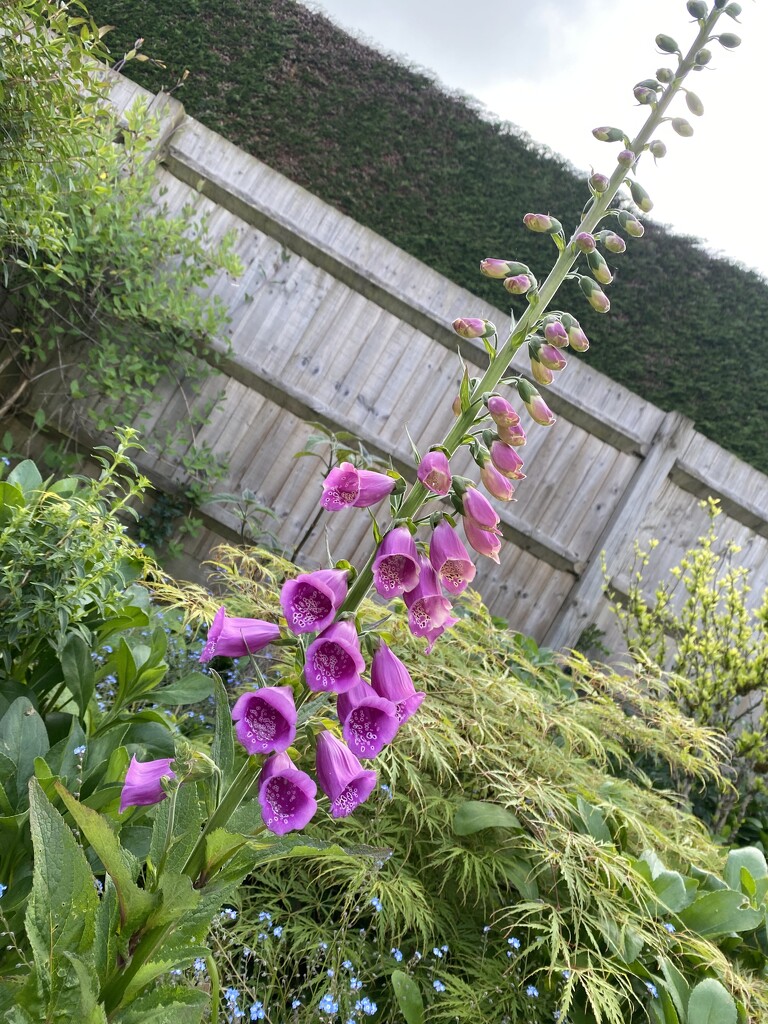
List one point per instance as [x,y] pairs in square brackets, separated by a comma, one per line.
[389,147]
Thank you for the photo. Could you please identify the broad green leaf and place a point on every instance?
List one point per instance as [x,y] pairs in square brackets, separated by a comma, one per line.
[23,737]
[670,889]
[474,815]
[748,857]
[170,1004]
[223,747]
[594,821]
[190,690]
[711,1003]
[61,912]
[219,846]
[78,671]
[135,903]
[10,498]
[408,997]
[677,986]
[720,913]
[177,897]
[88,1009]
[521,874]
[668,1008]
[26,477]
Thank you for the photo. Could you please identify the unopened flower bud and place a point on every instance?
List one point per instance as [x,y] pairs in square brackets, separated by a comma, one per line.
[667,44]
[682,127]
[598,182]
[644,95]
[501,268]
[595,296]
[555,333]
[584,242]
[640,196]
[551,357]
[614,242]
[630,224]
[665,75]
[697,9]
[542,223]
[626,158]
[729,40]
[577,339]
[658,149]
[608,134]
[599,268]
[703,57]
[534,403]
[501,412]
[496,483]
[541,374]
[473,327]
[519,284]
[733,10]
[506,460]
[514,435]
[456,407]
[694,104]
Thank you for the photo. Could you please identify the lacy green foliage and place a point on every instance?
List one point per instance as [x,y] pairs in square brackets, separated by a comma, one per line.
[507,809]
[699,627]
[385,144]
[48,115]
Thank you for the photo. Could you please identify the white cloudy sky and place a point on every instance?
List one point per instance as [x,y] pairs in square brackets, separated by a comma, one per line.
[558,68]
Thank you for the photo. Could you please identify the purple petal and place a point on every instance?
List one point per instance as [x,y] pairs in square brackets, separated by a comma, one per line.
[341,776]
[266,719]
[340,488]
[311,601]
[235,637]
[373,487]
[396,568]
[286,795]
[142,785]
[333,661]
[450,559]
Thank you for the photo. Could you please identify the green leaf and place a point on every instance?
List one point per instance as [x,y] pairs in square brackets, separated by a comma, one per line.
[27,477]
[408,997]
[594,821]
[720,913]
[748,857]
[169,1004]
[474,815]
[78,671]
[711,1003]
[223,747]
[23,737]
[192,689]
[61,912]
[677,986]
[177,897]
[671,891]
[10,498]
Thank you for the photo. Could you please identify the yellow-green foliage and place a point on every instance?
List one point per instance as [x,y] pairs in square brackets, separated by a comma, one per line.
[555,746]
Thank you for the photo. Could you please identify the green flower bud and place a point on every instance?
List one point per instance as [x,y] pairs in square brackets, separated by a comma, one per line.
[694,103]
[682,127]
[665,75]
[667,44]
[733,10]
[630,224]
[596,297]
[542,223]
[608,134]
[658,149]
[650,83]
[640,197]
[613,242]
[626,158]
[703,57]
[729,40]
[697,9]
[599,268]
[599,182]
[643,95]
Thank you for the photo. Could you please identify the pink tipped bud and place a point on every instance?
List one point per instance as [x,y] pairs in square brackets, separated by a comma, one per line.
[435,472]
[556,334]
[542,223]
[585,242]
[614,242]
[551,357]
[519,284]
[640,197]
[608,134]
[541,374]
[600,270]
[499,269]
[473,327]
[630,224]
[658,149]
[644,95]
[694,104]
[514,435]
[596,297]
[578,340]
[599,182]
[506,460]
[535,404]
[682,127]
[502,413]
[496,484]
[626,158]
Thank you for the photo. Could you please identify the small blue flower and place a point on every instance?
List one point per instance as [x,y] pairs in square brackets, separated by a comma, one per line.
[199,965]
[355,984]
[532,991]
[264,915]
[652,989]
[228,914]
[556,1015]
[323,945]
[347,965]
[514,942]
[257,1011]
[278,931]
[438,986]
[486,929]
[437,952]
[231,994]
[176,972]
[79,751]
[376,904]
[444,949]
[295,1004]
[327,1004]
[330,972]
[397,954]
[566,975]
[669,927]
[417,955]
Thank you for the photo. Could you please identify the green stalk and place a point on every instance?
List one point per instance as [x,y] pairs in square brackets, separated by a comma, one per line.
[418,494]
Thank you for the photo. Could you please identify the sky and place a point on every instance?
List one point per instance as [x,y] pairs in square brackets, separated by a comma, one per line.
[559,68]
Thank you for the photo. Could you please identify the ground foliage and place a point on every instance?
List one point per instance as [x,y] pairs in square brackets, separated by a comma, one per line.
[385,144]
[509,801]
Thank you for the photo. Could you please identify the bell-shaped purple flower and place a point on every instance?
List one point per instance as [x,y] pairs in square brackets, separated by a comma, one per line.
[450,560]
[495,483]
[502,413]
[265,720]
[479,509]
[513,435]
[485,542]
[391,679]
[286,795]
[143,785]
[435,472]
[341,776]
[506,460]
[369,721]
[310,602]
[231,637]
[333,661]
[346,487]
[396,568]
[429,613]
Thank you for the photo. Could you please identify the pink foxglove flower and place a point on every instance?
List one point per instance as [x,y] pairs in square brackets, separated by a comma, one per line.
[556,334]
[506,460]
[391,680]
[286,795]
[496,484]
[502,413]
[473,327]
[551,357]
[369,722]
[429,613]
[310,602]
[396,568]
[333,661]
[541,374]
[514,435]
[485,542]
[265,720]
[341,776]
[535,404]
[143,785]
[435,472]
[231,637]
[450,559]
[346,487]
[479,510]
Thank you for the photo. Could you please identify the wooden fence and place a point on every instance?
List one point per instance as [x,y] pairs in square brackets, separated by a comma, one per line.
[330,322]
